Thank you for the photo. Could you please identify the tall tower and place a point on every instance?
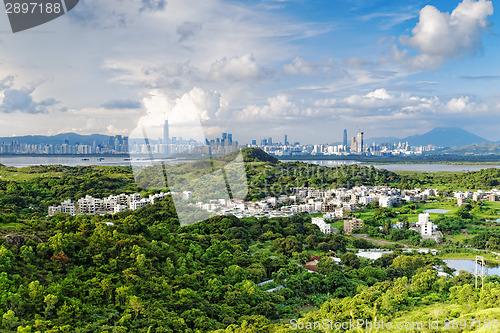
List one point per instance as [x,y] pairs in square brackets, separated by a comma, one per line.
[166,138]
[344,141]
[353,145]
[286,140]
[360,142]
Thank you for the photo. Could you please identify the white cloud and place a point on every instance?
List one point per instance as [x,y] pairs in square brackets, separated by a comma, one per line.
[14,99]
[379,94]
[185,114]
[298,66]
[236,69]
[278,107]
[441,36]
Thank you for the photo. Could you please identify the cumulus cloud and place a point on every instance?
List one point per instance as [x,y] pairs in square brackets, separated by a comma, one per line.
[185,114]
[21,100]
[278,107]
[298,66]
[236,68]
[440,36]
[381,103]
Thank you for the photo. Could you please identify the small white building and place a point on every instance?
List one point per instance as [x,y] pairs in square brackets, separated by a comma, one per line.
[387,201]
[426,226]
[323,226]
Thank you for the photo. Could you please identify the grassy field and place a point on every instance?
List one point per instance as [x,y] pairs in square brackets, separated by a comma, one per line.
[442,311]
[22,174]
[469,255]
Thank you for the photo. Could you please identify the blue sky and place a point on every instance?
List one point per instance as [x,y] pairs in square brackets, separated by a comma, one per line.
[306,68]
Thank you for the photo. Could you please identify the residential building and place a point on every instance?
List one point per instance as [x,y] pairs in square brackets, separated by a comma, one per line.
[325,228]
[351,225]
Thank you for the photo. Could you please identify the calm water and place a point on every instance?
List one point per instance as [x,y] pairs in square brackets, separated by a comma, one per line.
[437,211]
[404,167]
[23,161]
[468,265]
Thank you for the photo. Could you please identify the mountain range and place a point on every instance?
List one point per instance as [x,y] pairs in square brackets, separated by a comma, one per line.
[72,139]
[440,137]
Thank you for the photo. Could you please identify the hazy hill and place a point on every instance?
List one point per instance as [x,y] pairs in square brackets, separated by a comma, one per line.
[445,137]
[478,149]
[73,138]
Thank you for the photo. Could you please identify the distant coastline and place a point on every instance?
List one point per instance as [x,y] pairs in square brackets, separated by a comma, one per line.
[427,159]
[124,155]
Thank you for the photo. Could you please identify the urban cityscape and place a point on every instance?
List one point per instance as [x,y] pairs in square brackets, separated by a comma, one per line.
[171,146]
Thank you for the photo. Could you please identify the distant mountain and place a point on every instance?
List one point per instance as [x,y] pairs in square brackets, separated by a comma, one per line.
[445,137]
[479,149]
[72,138]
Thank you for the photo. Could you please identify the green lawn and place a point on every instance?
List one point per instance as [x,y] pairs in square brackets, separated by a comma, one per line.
[20,176]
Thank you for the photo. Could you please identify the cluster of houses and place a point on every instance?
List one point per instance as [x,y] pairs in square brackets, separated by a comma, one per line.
[334,203]
[110,205]
[479,195]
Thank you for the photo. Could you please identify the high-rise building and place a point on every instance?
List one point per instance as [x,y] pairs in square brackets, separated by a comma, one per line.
[353,144]
[125,144]
[254,142]
[344,141]
[286,140]
[360,142]
[270,141]
[229,138]
[166,138]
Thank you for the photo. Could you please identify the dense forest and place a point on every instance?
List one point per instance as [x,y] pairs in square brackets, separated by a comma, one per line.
[141,271]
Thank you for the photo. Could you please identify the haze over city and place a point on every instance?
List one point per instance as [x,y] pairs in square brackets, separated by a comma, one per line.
[264,68]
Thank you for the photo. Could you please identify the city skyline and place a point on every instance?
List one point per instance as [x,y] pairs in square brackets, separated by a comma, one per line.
[272,67]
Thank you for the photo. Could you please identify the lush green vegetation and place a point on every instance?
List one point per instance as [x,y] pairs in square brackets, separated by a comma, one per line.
[142,272]
[145,273]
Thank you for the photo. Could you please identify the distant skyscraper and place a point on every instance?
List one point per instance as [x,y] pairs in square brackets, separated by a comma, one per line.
[360,142]
[353,144]
[125,144]
[229,138]
[254,142]
[166,138]
[270,141]
[344,142]
[286,140]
